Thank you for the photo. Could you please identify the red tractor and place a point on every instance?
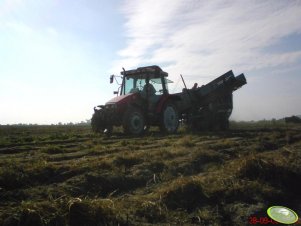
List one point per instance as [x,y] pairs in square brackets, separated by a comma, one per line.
[143,101]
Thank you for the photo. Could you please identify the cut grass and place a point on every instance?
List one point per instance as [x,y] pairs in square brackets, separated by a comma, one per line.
[66,175]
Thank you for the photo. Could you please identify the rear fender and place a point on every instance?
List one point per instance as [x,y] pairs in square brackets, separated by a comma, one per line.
[164,99]
[134,105]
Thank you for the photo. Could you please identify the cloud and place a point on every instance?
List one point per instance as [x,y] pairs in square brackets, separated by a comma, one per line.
[8,6]
[204,38]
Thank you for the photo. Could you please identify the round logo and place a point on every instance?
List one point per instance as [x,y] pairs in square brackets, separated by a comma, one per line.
[282,214]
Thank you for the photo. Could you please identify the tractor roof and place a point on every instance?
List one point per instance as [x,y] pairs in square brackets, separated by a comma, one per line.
[153,71]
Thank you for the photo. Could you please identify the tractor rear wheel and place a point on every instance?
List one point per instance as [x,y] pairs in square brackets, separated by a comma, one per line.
[169,119]
[134,121]
[224,124]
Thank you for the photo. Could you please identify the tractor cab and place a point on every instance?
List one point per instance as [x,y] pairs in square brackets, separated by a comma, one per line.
[148,81]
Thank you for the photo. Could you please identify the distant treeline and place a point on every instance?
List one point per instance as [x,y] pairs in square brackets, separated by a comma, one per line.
[259,123]
[264,123]
[82,123]
[233,123]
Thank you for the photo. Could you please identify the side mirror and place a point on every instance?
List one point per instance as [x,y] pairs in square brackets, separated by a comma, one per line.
[115,92]
[111,79]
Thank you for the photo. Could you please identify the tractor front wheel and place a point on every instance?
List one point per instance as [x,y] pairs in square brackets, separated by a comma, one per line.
[108,130]
[134,122]
[96,122]
[169,119]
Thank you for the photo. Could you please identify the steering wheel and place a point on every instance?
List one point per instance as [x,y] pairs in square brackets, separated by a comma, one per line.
[139,86]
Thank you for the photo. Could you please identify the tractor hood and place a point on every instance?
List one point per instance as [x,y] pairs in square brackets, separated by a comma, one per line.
[121,99]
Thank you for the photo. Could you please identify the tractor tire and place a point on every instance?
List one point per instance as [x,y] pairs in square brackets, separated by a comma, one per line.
[169,119]
[224,125]
[108,131]
[95,121]
[98,125]
[134,122]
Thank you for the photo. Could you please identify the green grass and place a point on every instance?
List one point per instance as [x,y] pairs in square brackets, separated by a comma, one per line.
[66,175]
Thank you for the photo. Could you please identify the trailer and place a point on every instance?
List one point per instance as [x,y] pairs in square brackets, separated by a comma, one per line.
[210,106]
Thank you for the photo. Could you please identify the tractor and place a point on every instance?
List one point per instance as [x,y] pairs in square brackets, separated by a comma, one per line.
[143,101]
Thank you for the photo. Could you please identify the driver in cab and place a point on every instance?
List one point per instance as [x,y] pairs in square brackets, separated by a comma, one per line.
[149,90]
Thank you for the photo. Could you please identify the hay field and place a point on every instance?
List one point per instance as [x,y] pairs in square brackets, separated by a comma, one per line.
[66,175]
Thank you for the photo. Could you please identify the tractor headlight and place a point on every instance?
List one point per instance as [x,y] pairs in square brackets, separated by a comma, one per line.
[111,106]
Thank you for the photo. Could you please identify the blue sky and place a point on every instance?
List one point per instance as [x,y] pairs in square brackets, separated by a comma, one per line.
[56,55]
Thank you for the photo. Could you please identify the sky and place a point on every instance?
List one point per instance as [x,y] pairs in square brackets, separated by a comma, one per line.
[56,56]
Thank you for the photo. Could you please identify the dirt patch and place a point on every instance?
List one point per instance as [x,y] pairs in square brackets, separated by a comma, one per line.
[103,185]
[185,195]
[93,213]
[197,163]
[15,150]
[27,218]
[126,161]
[152,212]
[240,213]
[148,170]
[282,176]
[16,177]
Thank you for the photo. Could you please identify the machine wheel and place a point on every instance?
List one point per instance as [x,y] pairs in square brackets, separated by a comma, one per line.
[224,125]
[108,131]
[134,122]
[98,125]
[95,121]
[169,119]
[146,128]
